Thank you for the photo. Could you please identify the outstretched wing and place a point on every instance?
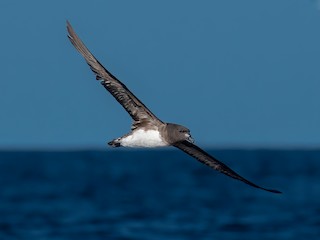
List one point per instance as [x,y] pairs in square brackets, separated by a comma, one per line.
[207,159]
[136,109]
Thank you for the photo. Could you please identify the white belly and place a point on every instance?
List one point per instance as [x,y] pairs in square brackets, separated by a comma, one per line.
[142,138]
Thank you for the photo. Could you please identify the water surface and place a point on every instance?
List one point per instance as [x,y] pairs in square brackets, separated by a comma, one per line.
[158,195]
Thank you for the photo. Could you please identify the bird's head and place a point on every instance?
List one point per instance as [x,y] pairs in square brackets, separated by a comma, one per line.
[177,133]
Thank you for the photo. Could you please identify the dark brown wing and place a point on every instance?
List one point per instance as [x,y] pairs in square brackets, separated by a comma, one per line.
[207,159]
[136,109]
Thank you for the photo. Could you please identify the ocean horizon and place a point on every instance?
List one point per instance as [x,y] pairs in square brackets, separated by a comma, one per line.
[158,194]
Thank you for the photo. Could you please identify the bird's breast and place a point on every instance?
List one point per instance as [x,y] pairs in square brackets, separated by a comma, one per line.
[143,138]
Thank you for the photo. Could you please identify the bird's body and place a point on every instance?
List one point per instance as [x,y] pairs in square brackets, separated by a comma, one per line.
[141,138]
[153,136]
[147,130]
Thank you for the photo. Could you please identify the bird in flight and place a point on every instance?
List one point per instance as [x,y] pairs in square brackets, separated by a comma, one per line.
[147,130]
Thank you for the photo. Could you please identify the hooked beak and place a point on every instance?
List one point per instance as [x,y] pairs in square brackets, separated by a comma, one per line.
[190,139]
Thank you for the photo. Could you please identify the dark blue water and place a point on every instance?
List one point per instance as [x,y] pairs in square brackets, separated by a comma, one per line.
[158,195]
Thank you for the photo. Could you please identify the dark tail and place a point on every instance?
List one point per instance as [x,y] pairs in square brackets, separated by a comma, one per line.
[114,143]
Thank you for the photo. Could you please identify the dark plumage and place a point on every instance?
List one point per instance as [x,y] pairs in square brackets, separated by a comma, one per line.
[147,130]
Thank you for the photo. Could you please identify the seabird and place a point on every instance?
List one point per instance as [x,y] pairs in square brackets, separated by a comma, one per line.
[147,130]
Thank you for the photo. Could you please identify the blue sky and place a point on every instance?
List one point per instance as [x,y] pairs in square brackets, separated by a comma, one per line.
[237,73]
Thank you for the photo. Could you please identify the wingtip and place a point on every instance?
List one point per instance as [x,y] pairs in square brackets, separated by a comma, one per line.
[271,190]
[69,30]
[68,25]
[262,188]
[275,191]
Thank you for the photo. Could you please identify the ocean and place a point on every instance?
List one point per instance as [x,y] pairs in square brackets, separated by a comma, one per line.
[158,194]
